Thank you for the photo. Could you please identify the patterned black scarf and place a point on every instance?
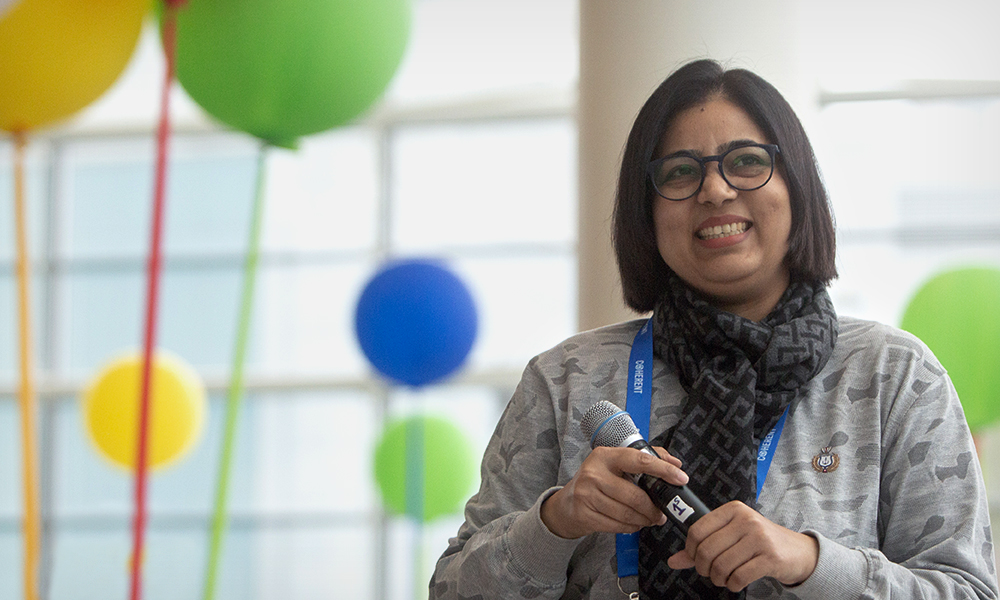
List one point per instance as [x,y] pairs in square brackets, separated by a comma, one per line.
[740,376]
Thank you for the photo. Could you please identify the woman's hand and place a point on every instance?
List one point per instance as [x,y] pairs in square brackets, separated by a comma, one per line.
[735,545]
[600,498]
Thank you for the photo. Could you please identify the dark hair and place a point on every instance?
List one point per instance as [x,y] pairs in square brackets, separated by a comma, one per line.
[812,241]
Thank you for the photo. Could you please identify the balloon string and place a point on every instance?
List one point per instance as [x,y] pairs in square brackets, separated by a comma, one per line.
[219,518]
[416,448]
[414,475]
[152,293]
[29,455]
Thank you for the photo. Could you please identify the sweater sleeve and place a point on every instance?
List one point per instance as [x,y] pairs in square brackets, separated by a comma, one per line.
[503,550]
[934,526]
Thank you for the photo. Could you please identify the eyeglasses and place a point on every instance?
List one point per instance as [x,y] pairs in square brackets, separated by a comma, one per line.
[679,176]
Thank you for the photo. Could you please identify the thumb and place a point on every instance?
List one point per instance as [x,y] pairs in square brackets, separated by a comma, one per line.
[681,560]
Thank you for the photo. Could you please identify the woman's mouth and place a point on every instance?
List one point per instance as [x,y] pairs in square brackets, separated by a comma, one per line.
[721,231]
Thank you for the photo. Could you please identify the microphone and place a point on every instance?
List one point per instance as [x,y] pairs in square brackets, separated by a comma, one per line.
[607,425]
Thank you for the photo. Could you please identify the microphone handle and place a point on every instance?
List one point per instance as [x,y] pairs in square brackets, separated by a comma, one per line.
[680,504]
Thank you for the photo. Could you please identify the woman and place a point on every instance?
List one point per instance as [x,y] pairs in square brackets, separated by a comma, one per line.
[833,451]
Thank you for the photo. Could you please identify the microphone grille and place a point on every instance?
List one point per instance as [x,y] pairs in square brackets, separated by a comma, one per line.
[607,425]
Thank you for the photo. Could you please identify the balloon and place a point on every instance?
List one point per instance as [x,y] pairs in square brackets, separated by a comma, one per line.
[423,467]
[58,56]
[957,314]
[416,322]
[177,410]
[282,69]
[6,5]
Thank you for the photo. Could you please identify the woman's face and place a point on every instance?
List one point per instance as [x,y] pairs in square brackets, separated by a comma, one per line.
[742,270]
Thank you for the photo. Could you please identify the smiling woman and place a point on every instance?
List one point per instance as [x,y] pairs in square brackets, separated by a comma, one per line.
[715,114]
[727,243]
[723,229]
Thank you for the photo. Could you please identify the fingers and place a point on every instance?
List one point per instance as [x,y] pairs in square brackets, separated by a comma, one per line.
[602,497]
[598,498]
[618,499]
[667,456]
[619,463]
[735,545]
[635,461]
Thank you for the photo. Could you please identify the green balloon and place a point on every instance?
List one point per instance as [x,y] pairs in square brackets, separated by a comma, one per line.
[282,69]
[424,468]
[957,314]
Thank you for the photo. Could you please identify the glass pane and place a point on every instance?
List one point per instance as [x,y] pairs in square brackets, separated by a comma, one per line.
[314,452]
[469,48]
[411,553]
[412,550]
[36,193]
[324,195]
[305,320]
[210,196]
[9,336]
[917,197]
[889,45]
[526,305]
[287,461]
[109,189]
[473,409]
[93,563]
[302,324]
[11,564]
[917,165]
[500,182]
[104,318]
[10,333]
[289,456]
[88,484]
[878,279]
[312,562]
[196,313]
[11,498]
[315,563]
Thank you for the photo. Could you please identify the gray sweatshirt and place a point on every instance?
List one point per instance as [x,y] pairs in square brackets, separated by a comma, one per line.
[900,509]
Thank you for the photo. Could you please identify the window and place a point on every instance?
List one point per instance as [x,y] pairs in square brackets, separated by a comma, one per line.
[913,193]
[476,166]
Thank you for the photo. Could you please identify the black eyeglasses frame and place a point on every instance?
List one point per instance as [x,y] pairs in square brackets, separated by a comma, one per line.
[772,149]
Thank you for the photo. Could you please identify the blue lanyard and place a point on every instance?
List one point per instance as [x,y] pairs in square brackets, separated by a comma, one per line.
[765,452]
[638,403]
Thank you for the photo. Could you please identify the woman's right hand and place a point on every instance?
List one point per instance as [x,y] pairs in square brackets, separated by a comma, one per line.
[600,498]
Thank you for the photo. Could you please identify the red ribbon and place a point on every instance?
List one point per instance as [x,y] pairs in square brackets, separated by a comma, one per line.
[152,295]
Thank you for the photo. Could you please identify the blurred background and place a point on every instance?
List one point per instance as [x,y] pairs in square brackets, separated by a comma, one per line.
[495,148]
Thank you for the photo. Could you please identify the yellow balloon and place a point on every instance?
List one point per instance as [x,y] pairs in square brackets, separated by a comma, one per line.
[58,56]
[6,5]
[177,410]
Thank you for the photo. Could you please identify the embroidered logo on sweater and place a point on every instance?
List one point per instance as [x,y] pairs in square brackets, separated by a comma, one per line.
[826,460]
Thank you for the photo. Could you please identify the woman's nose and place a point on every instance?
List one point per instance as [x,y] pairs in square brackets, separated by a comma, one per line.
[715,189]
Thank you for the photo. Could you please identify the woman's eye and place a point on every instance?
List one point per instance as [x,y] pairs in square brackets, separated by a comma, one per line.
[680,172]
[748,160]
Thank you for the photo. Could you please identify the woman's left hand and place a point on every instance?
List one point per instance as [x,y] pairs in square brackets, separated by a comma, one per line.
[735,545]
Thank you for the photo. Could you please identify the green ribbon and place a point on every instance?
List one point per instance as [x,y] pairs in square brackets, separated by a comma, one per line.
[220,517]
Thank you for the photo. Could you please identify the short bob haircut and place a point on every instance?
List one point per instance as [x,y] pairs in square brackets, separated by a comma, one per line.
[812,241]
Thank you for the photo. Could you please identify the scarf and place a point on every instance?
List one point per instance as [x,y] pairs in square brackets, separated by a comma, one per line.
[740,376]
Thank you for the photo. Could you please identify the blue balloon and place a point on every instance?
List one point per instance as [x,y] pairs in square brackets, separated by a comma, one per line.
[416,322]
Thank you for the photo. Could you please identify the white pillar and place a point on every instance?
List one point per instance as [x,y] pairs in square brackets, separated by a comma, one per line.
[627,47]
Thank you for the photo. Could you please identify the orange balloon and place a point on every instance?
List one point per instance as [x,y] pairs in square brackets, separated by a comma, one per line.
[58,56]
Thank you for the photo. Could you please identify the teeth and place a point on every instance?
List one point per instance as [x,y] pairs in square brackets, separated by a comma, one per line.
[711,233]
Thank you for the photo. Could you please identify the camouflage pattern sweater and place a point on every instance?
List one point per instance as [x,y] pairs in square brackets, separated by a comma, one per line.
[900,509]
